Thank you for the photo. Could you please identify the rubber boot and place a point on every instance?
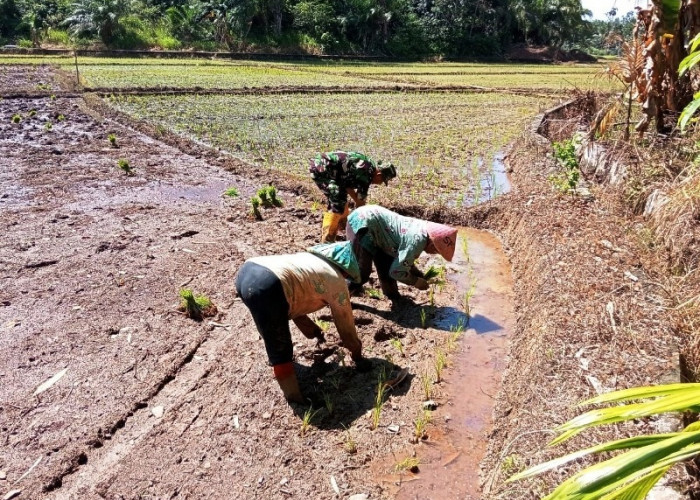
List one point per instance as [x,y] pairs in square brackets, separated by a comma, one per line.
[287,380]
[329,229]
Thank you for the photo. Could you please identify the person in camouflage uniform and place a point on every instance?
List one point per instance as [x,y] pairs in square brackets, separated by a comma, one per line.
[341,174]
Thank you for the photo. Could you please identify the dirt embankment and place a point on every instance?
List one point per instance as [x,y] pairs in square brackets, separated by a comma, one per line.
[155,405]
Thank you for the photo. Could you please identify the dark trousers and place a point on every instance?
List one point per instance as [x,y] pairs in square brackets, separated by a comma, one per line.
[382,262]
[261,291]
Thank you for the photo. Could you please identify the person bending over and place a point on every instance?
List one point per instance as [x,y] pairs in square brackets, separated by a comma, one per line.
[279,288]
[394,242]
[339,175]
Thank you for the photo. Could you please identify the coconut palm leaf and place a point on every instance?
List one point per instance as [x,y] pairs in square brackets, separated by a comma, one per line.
[670,403]
[629,475]
[691,390]
[621,444]
[612,477]
[637,489]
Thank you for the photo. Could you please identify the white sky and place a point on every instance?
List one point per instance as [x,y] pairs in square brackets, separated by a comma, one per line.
[601,7]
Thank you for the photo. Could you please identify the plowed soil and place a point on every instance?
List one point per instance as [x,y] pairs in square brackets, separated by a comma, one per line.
[152,404]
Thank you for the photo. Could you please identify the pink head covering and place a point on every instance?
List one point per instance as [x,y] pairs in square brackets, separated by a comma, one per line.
[444,238]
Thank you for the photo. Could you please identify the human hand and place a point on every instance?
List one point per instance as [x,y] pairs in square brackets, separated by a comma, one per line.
[421,284]
[416,272]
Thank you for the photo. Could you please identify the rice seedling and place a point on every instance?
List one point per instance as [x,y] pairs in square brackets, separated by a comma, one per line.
[439,364]
[112,140]
[349,444]
[124,165]
[328,402]
[456,332]
[373,293]
[426,383]
[32,113]
[469,294]
[255,210]
[379,399]
[423,317]
[48,126]
[16,118]
[397,344]
[407,464]
[420,425]
[306,420]
[196,307]
[231,192]
[61,118]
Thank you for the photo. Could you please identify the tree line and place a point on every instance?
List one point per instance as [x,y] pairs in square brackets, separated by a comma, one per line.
[399,28]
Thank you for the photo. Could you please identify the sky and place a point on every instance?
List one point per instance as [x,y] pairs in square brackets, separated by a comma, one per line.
[601,7]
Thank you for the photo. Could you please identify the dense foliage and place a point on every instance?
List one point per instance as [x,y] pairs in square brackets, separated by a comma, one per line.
[451,28]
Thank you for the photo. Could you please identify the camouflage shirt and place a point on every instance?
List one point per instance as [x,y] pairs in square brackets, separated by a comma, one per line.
[335,171]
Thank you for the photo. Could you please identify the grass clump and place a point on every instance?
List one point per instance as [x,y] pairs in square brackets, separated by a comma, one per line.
[196,306]
[16,118]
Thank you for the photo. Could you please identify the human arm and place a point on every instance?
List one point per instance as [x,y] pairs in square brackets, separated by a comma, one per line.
[341,311]
[403,268]
[310,329]
[355,197]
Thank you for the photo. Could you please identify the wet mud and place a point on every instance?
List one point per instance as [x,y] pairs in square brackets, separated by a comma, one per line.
[450,457]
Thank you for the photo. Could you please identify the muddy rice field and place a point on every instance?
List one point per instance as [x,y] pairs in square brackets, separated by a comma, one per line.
[107,390]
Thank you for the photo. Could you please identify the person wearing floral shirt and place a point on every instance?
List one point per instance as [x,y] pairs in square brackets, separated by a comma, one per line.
[339,175]
[394,242]
[279,288]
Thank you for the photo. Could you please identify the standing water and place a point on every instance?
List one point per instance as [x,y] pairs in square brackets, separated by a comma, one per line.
[449,460]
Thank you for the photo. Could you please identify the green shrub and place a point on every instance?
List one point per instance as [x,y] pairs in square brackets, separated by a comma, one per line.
[25,44]
[57,37]
[565,153]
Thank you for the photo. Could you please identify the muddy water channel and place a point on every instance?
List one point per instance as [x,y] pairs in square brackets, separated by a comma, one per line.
[449,458]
